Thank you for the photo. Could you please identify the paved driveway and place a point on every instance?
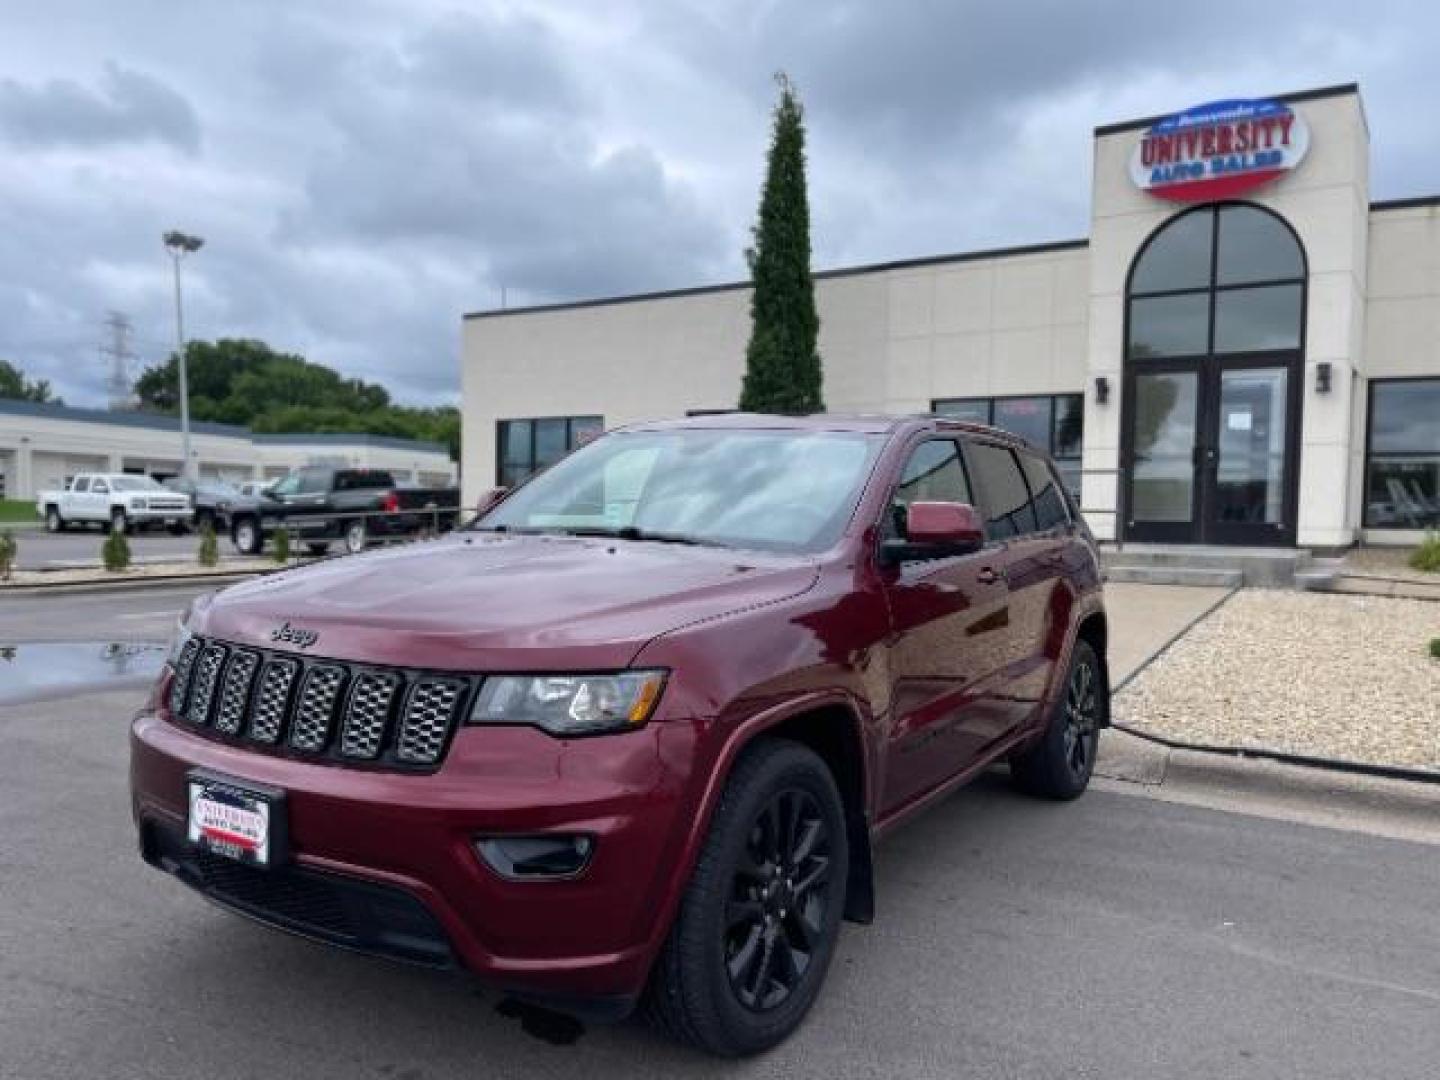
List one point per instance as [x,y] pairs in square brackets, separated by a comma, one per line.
[1115,937]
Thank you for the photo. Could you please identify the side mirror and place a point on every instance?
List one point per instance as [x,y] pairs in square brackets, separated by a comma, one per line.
[937,530]
[490,500]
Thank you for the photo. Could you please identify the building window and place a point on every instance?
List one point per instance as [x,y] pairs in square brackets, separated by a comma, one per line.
[1220,279]
[1054,424]
[1402,453]
[527,446]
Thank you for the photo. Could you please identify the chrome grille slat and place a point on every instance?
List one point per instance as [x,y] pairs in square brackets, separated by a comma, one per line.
[267,719]
[315,711]
[367,713]
[184,669]
[425,726]
[235,692]
[207,678]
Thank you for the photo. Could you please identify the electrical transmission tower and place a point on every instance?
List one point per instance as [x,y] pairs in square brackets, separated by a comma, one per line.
[117,352]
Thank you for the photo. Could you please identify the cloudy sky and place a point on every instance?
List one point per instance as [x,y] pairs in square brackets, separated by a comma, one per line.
[364,171]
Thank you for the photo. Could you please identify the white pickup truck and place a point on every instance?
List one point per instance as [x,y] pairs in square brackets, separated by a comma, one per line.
[119,501]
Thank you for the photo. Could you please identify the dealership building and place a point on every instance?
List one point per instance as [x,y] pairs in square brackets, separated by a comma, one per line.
[43,446]
[1245,350]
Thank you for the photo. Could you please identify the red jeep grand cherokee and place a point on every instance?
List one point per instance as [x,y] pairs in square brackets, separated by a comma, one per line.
[634,733]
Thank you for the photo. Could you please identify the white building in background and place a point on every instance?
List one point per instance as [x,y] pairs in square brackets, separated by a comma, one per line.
[42,446]
[1246,349]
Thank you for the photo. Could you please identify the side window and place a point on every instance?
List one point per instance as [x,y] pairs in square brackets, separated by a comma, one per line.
[312,482]
[99,487]
[1050,512]
[933,473]
[81,485]
[1008,509]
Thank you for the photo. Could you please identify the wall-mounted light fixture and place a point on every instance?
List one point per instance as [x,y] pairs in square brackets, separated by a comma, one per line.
[1322,377]
[1102,389]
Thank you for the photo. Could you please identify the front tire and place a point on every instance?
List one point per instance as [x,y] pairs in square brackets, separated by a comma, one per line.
[118,521]
[1059,766]
[356,536]
[247,537]
[757,926]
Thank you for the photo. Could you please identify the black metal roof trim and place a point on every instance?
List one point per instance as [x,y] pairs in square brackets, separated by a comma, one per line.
[1406,204]
[1338,90]
[838,272]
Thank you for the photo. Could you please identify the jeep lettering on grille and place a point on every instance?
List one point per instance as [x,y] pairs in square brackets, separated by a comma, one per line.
[294,635]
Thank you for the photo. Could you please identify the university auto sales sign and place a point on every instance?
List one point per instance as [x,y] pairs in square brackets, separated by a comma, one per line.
[1219,150]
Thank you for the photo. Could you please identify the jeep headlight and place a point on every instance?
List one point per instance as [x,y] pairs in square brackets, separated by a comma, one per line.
[138,504]
[570,704]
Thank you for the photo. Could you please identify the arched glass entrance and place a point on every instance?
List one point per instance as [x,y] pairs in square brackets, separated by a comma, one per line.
[1214,338]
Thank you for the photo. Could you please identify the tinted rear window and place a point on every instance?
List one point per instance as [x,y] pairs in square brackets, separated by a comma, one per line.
[1050,509]
[1008,510]
[358,480]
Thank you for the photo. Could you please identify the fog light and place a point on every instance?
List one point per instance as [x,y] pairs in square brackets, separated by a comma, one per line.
[530,858]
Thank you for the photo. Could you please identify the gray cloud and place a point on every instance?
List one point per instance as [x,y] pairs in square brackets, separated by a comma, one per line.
[373,168]
[129,106]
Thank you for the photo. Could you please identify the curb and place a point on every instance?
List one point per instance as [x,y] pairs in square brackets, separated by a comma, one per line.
[42,588]
[1309,761]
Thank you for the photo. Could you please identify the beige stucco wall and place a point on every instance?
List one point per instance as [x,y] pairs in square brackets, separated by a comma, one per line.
[1326,200]
[891,340]
[1402,317]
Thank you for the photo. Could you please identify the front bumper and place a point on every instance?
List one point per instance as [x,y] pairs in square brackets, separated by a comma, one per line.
[361,836]
[150,517]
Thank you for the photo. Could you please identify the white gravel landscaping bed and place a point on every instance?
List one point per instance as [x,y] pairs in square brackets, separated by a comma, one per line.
[1308,673]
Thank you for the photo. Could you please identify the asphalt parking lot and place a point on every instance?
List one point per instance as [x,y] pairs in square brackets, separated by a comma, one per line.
[1120,936]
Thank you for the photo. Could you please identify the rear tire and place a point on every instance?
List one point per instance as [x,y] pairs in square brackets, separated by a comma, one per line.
[53,521]
[756,929]
[1059,766]
[318,549]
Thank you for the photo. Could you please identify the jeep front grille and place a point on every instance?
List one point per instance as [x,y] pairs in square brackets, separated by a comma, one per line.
[317,708]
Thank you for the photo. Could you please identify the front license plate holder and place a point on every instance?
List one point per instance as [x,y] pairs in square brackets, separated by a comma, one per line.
[236,819]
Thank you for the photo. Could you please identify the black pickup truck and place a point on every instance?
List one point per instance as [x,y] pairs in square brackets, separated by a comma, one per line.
[320,504]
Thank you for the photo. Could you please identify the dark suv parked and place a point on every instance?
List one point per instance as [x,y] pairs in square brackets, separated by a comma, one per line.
[632,735]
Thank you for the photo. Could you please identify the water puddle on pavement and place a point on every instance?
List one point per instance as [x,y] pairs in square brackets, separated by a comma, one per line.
[35,672]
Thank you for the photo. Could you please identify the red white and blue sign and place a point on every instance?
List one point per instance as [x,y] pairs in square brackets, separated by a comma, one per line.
[1219,150]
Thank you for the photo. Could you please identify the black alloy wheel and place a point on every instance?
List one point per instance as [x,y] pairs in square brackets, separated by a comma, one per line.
[1082,718]
[776,912]
[747,954]
[1059,765]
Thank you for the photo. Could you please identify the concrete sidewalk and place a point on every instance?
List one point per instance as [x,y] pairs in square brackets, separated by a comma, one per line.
[1144,619]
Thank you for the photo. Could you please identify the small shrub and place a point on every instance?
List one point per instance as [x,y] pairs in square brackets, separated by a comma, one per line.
[281,554]
[115,552]
[209,553]
[1427,555]
[1435,647]
[9,548]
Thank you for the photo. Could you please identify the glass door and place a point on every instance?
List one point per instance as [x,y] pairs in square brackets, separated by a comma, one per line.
[1249,455]
[1163,455]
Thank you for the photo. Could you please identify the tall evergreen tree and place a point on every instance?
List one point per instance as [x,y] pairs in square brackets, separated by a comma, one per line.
[782,365]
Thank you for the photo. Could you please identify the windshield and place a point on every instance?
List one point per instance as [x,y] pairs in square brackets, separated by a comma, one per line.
[136,483]
[774,490]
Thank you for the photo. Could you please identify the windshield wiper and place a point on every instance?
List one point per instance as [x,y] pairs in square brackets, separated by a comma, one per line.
[630,532]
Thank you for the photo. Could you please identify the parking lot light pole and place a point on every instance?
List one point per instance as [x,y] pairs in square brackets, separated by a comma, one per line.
[179,245]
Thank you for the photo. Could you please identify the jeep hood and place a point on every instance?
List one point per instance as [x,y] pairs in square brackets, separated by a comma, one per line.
[492,602]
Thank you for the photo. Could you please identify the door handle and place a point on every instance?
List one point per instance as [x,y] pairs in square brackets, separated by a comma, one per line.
[989,575]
